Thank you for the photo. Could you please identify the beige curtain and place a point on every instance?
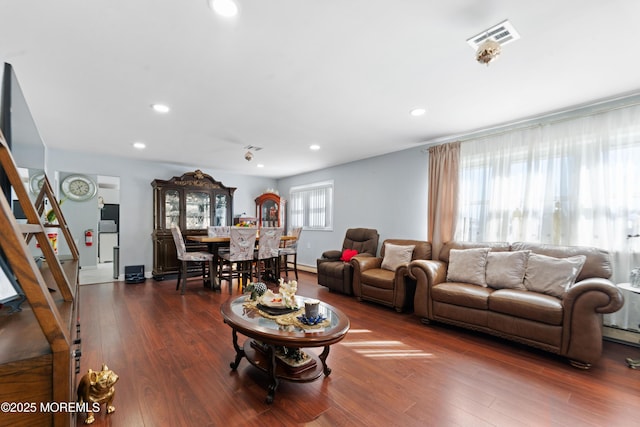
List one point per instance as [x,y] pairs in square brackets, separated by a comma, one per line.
[443,194]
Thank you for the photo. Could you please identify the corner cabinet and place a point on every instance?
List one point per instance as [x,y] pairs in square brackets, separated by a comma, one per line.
[193,202]
[271,211]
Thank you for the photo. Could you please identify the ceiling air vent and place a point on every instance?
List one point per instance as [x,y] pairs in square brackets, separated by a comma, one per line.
[252,147]
[502,33]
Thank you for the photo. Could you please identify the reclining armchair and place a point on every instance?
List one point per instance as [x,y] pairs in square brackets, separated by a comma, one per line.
[334,270]
[385,279]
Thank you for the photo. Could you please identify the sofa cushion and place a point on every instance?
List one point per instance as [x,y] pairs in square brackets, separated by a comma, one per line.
[462,294]
[598,263]
[552,276]
[468,266]
[378,278]
[396,255]
[447,247]
[527,305]
[347,254]
[506,269]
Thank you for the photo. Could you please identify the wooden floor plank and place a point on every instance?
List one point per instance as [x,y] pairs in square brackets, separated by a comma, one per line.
[172,353]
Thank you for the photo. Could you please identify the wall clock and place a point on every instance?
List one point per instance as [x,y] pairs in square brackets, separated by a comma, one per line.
[79,187]
[36,182]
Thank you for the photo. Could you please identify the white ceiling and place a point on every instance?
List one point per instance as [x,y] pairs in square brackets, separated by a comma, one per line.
[285,74]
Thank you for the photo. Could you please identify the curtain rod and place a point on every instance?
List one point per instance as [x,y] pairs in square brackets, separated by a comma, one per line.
[588,110]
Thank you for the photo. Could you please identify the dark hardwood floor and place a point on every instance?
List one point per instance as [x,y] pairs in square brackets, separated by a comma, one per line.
[172,354]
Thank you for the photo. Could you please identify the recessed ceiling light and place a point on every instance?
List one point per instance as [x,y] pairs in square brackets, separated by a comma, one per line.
[226,8]
[416,112]
[160,108]
[139,145]
[260,165]
[314,147]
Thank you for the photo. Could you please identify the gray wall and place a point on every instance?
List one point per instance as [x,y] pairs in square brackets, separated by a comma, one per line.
[388,193]
[136,197]
[80,216]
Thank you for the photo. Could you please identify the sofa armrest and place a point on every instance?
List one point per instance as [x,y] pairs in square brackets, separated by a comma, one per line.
[403,270]
[608,298]
[426,273]
[332,255]
[361,263]
[584,303]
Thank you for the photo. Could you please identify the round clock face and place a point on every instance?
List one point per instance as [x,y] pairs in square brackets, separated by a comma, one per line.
[36,182]
[78,187]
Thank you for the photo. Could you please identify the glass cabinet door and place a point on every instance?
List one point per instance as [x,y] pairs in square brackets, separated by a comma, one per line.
[171,208]
[198,210]
[269,216]
[222,207]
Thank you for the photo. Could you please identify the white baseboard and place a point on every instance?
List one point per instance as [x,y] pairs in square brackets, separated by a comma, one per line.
[624,336]
[308,268]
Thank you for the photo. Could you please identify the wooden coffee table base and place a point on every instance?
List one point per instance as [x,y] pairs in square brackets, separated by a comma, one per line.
[275,349]
[266,362]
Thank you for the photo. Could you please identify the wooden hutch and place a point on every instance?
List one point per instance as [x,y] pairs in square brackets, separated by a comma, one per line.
[193,202]
[271,210]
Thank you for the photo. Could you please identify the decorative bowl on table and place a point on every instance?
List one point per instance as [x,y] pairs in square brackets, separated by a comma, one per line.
[311,321]
[274,304]
[271,299]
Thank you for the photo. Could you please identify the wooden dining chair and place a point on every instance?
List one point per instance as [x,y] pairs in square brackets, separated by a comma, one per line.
[238,262]
[268,253]
[288,253]
[203,258]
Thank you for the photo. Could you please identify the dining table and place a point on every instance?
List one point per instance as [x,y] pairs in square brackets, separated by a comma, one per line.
[217,242]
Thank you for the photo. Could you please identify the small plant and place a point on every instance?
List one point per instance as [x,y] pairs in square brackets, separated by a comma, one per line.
[50,216]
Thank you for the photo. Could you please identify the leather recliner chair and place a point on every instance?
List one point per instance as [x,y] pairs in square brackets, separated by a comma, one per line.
[337,275]
[374,281]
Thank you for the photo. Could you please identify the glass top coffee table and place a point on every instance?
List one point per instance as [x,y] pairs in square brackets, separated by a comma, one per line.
[276,339]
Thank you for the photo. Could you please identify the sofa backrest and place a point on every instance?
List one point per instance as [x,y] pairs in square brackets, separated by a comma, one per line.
[495,246]
[364,240]
[422,249]
[598,263]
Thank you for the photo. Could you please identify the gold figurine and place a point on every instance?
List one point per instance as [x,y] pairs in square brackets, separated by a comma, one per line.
[97,387]
[633,364]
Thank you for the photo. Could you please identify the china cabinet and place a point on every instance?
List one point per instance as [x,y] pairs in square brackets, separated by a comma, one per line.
[193,202]
[270,210]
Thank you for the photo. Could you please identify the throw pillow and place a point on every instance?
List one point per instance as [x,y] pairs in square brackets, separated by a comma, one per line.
[468,266]
[505,270]
[347,254]
[396,255]
[552,276]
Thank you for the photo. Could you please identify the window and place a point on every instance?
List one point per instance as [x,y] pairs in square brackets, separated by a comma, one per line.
[311,206]
[572,182]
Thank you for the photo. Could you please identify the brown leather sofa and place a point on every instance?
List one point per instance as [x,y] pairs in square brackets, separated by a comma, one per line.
[337,275]
[394,288]
[570,326]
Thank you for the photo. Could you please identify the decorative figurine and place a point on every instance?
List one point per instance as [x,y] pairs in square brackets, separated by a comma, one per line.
[256,289]
[97,386]
[288,293]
